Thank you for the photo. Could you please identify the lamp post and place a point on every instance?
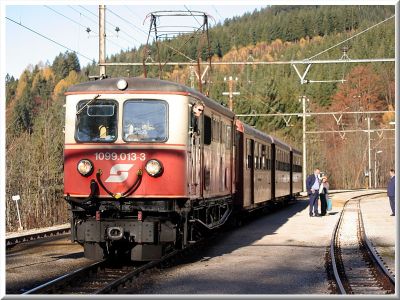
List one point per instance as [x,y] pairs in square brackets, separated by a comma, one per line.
[376,152]
[369,152]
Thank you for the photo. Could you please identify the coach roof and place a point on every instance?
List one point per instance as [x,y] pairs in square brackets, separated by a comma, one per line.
[256,133]
[141,85]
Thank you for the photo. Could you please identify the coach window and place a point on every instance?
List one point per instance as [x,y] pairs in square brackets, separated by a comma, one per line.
[228,143]
[263,157]
[96,121]
[223,133]
[256,166]
[207,130]
[215,130]
[249,161]
[145,121]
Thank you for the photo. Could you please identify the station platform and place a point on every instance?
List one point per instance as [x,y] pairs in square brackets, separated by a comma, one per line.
[21,233]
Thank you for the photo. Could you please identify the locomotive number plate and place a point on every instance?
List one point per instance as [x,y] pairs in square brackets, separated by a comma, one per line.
[120,156]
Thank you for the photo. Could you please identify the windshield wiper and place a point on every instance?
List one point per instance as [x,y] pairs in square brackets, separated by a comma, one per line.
[89,102]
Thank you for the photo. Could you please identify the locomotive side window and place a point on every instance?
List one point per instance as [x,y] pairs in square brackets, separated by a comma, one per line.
[207,130]
[145,121]
[96,122]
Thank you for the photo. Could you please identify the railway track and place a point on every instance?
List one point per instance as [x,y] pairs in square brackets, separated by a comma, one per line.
[102,277]
[357,267]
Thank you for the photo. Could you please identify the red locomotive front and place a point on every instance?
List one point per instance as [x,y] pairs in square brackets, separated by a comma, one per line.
[125,144]
[125,166]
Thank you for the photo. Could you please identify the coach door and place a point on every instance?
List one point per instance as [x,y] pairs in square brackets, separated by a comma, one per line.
[248,180]
[194,155]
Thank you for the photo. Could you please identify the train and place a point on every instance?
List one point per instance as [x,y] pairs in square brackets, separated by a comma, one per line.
[151,166]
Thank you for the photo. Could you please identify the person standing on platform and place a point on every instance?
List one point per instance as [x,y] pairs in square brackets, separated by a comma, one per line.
[391,192]
[312,185]
[323,194]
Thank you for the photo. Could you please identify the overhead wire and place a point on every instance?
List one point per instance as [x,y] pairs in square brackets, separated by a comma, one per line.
[192,15]
[133,13]
[217,12]
[126,21]
[352,37]
[79,12]
[96,22]
[72,20]
[49,39]
[111,25]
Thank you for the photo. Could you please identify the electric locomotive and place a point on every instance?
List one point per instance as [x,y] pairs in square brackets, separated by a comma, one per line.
[151,166]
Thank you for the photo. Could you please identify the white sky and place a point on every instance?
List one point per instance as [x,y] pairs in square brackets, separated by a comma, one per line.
[24,47]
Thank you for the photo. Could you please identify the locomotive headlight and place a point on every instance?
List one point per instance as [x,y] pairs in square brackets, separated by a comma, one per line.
[122,84]
[154,168]
[85,167]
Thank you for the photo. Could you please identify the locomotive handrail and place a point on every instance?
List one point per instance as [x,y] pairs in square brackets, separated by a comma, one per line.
[81,202]
[129,191]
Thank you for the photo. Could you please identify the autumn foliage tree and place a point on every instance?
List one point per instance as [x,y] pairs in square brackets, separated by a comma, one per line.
[347,153]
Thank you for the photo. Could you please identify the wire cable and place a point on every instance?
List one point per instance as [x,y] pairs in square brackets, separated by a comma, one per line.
[80,13]
[111,41]
[192,15]
[365,30]
[217,12]
[123,19]
[72,20]
[110,24]
[49,39]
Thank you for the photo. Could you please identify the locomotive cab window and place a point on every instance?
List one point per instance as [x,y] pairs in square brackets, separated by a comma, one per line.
[145,121]
[96,122]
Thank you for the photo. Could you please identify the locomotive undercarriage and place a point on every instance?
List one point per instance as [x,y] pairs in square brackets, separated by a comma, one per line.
[145,229]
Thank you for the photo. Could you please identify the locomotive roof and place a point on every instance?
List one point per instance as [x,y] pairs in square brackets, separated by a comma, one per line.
[140,85]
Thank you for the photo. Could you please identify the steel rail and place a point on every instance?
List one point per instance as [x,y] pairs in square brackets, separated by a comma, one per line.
[332,250]
[120,281]
[338,279]
[62,284]
[65,279]
[374,253]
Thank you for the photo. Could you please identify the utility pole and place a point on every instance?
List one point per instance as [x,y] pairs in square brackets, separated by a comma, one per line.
[231,81]
[102,40]
[375,169]
[303,99]
[369,153]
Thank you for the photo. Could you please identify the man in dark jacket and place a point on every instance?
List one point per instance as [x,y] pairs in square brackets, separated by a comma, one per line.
[391,192]
[312,185]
